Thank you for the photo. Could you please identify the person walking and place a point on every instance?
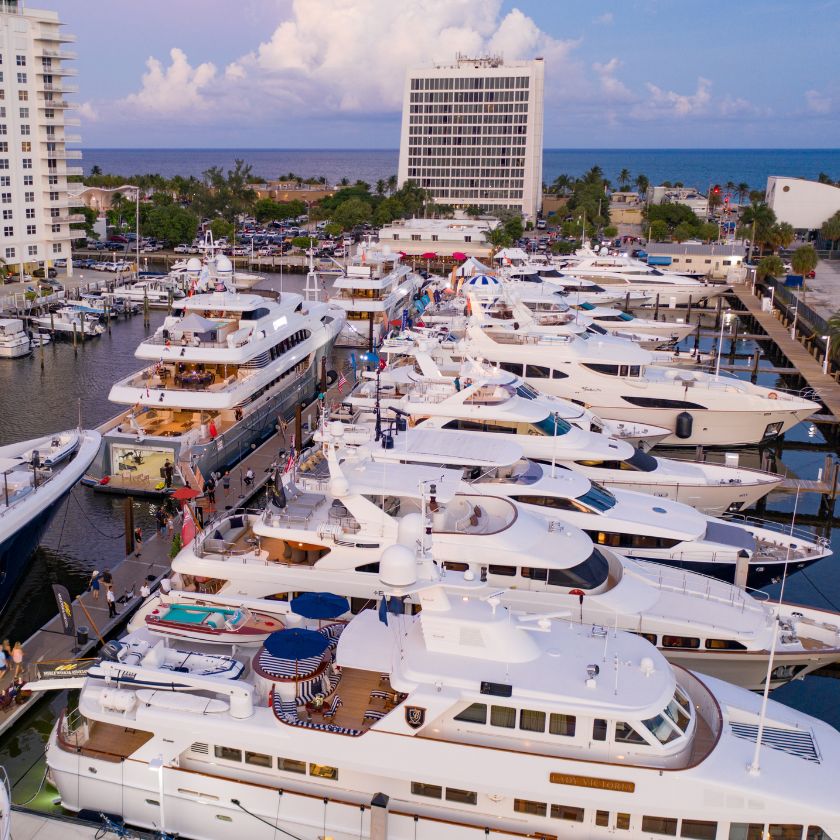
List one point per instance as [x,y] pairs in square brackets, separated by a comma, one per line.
[226,482]
[144,590]
[160,519]
[112,603]
[168,472]
[4,664]
[210,490]
[93,586]
[17,658]
[138,541]
[7,649]
[170,525]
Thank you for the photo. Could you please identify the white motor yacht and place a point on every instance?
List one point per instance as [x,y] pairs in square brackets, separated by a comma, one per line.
[462,721]
[36,476]
[157,292]
[224,369]
[619,382]
[14,340]
[68,321]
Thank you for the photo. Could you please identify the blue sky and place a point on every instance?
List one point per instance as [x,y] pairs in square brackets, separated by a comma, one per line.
[329,73]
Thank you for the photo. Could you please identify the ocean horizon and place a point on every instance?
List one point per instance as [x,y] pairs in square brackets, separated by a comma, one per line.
[694,167]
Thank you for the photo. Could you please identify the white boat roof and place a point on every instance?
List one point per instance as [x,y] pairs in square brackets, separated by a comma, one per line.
[233,301]
[374,478]
[435,446]
[14,323]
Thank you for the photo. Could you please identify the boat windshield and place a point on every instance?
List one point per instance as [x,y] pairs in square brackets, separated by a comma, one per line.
[626,316]
[590,574]
[553,426]
[527,392]
[586,307]
[642,461]
[596,328]
[598,498]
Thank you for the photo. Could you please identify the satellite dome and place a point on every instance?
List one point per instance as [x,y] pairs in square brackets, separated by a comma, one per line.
[223,264]
[339,486]
[397,566]
[409,528]
[194,264]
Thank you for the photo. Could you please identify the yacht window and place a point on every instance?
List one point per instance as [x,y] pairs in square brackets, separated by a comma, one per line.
[598,498]
[680,642]
[507,571]
[551,502]
[553,426]
[531,721]
[503,716]
[698,829]
[323,771]
[816,833]
[228,753]
[659,825]
[651,637]
[511,367]
[567,812]
[258,759]
[455,567]
[538,371]
[602,818]
[610,370]
[371,568]
[597,329]
[746,831]
[562,725]
[625,734]
[642,461]
[528,806]
[291,765]
[661,729]
[785,832]
[590,574]
[661,402]
[682,700]
[622,821]
[724,644]
[476,713]
[599,729]
[465,797]
[558,374]
[527,392]
[422,789]
[677,714]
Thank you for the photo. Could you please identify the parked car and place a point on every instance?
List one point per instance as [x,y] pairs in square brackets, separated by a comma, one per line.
[61,262]
[42,272]
[181,249]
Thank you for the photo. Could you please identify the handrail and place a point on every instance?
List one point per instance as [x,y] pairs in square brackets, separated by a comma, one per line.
[779,527]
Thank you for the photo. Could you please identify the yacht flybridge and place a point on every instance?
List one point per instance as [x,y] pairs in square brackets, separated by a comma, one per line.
[495,524]
[620,383]
[221,370]
[373,292]
[502,725]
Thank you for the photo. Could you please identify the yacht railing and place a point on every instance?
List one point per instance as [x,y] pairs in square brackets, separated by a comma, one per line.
[780,528]
[713,590]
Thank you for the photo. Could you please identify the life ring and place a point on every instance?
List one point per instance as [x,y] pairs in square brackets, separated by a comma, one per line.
[773,395]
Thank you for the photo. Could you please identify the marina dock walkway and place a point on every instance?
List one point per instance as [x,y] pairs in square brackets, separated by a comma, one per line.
[30,826]
[824,386]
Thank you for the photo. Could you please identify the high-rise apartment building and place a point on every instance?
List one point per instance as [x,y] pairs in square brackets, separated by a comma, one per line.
[35,210]
[472,133]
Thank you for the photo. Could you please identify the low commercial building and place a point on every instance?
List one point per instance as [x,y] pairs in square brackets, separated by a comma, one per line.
[99,198]
[626,208]
[443,237]
[689,196]
[285,191]
[715,261]
[802,203]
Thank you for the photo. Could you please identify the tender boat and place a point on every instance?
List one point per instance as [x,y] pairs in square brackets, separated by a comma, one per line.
[69,321]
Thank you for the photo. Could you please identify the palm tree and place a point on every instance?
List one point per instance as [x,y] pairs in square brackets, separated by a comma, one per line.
[344,182]
[761,219]
[624,178]
[380,187]
[830,230]
[804,260]
[642,184]
[730,186]
[96,169]
[392,184]
[770,266]
[782,235]
[834,332]
[562,184]
[743,188]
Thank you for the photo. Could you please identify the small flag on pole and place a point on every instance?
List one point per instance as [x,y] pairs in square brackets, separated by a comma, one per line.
[290,461]
[342,381]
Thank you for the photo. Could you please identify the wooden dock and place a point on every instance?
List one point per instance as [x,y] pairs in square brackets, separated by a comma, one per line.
[825,388]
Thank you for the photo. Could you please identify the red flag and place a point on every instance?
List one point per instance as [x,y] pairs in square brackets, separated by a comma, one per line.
[188,528]
[342,381]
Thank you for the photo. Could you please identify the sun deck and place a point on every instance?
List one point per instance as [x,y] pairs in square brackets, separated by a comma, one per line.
[105,741]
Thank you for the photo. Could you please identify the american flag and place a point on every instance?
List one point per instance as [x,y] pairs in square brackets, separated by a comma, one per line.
[342,381]
[290,461]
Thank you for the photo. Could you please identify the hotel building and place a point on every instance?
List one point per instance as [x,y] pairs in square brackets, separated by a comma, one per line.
[472,133]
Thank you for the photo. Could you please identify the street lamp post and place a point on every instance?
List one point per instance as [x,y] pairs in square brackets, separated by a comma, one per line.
[827,340]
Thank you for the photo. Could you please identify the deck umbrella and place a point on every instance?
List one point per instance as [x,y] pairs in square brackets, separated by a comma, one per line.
[185,493]
[459,255]
[320,605]
[296,643]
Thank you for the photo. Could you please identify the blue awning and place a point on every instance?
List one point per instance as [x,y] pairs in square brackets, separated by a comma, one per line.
[320,605]
[296,643]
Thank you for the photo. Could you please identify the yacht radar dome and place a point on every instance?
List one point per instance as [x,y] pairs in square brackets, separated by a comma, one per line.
[397,566]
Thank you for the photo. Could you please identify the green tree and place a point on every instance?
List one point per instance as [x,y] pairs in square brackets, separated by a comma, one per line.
[170,222]
[804,260]
[824,179]
[715,200]
[87,226]
[610,231]
[352,212]
[672,215]
[222,228]
[392,184]
[742,189]
[642,183]
[769,266]
[472,211]
[782,234]
[498,237]
[226,195]
[96,169]
[756,197]
[758,220]
[658,230]
[708,232]
[562,184]
[332,229]
[380,186]
[624,178]
[684,231]
[830,230]
[834,332]
[302,242]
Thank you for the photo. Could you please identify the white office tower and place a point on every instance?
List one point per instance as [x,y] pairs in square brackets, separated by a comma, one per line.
[34,160]
[472,133]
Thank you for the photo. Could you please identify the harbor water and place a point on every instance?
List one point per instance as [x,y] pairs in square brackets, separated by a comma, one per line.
[87,531]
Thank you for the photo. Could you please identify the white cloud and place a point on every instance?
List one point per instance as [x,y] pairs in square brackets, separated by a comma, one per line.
[613,88]
[670,103]
[176,88]
[605,19]
[817,103]
[737,106]
[87,111]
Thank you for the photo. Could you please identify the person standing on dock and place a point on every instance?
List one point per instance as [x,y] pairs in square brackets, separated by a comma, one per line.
[160,519]
[4,664]
[210,489]
[93,586]
[226,482]
[17,658]
[249,477]
[138,541]
[112,603]
[168,473]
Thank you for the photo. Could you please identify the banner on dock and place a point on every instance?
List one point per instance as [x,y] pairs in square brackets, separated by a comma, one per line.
[68,669]
[65,608]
